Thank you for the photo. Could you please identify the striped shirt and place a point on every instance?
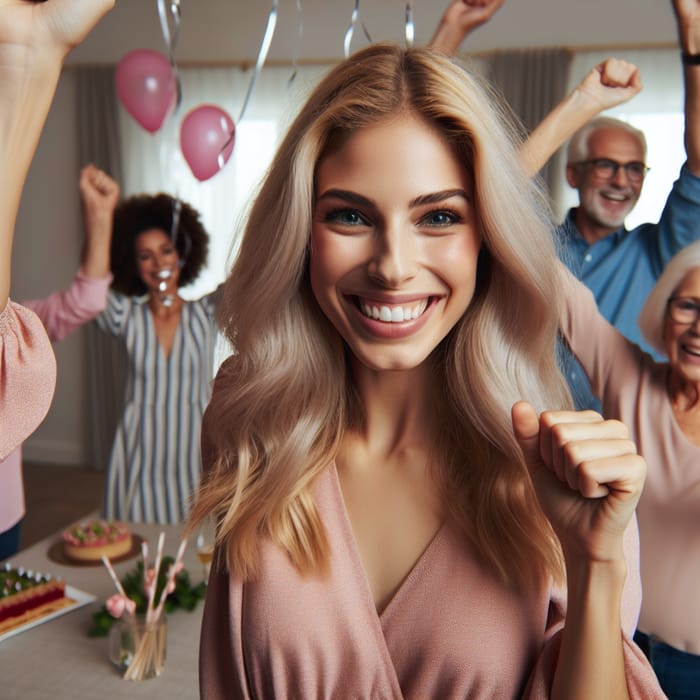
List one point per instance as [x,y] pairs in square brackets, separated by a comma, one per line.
[155,462]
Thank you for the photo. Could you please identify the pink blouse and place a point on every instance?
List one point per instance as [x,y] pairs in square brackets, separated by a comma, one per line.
[452,629]
[60,313]
[27,373]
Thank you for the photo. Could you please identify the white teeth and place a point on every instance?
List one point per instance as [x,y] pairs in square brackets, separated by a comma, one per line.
[394,314]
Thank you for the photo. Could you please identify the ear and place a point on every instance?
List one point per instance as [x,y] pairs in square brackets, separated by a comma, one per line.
[573,176]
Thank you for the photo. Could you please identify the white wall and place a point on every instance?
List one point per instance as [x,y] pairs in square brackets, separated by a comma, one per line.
[45,256]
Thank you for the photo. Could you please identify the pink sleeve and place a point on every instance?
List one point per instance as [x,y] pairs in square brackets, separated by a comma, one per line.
[63,312]
[27,375]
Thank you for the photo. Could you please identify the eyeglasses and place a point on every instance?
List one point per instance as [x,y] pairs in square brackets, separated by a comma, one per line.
[606,169]
[685,310]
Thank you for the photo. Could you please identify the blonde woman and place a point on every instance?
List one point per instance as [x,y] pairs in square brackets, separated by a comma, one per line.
[393,521]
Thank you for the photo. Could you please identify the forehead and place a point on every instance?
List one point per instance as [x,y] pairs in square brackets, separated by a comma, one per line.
[152,238]
[689,285]
[398,153]
[615,144]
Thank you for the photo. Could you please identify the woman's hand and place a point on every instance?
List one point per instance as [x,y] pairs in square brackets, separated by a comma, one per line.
[587,475]
[459,19]
[53,26]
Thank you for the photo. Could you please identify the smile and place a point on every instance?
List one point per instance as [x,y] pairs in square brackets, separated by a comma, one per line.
[393,313]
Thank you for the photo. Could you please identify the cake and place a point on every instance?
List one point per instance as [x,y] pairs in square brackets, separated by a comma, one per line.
[92,540]
[25,596]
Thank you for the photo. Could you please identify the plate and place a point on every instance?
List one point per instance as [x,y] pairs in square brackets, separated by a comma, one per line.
[56,554]
[79,599]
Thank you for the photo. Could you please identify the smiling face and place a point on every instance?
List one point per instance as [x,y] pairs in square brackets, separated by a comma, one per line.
[682,340]
[604,203]
[157,261]
[394,242]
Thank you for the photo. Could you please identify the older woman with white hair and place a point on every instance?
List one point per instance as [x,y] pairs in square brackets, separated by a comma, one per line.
[660,404]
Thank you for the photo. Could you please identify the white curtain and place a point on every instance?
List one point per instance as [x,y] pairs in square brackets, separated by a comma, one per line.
[154,162]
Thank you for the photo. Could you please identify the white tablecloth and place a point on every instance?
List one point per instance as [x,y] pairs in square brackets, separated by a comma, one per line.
[58,659]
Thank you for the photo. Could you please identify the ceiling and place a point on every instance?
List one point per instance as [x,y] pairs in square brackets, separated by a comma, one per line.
[213,31]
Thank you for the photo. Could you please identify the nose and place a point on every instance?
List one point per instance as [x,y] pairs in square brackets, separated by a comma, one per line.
[620,177]
[394,260]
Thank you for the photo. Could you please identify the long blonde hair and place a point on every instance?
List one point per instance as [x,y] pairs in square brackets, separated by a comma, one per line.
[281,404]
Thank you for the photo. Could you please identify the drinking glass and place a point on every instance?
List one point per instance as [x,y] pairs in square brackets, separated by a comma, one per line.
[206,536]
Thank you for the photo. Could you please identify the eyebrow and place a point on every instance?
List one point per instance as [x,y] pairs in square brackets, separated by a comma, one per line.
[420,200]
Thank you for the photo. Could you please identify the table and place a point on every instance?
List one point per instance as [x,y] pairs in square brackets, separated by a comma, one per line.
[58,659]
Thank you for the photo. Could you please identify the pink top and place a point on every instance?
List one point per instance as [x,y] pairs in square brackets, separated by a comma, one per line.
[451,631]
[23,410]
[632,388]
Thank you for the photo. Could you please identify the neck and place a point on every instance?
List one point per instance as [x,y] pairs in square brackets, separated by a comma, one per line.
[590,231]
[164,304]
[396,407]
[684,395]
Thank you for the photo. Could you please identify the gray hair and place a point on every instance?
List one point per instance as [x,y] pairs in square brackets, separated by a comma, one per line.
[652,317]
[579,144]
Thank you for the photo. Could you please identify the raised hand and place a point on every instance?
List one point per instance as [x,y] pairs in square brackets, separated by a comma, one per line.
[459,19]
[99,194]
[587,475]
[34,39]
[610,83]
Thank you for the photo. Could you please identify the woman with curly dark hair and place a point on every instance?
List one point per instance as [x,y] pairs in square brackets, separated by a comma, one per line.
[159,245]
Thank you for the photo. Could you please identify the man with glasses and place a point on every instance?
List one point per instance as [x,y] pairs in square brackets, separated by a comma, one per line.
[606,163]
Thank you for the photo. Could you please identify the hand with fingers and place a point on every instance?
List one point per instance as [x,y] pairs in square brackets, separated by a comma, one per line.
[610,83]
[99,194]
[460,19]
[587,475]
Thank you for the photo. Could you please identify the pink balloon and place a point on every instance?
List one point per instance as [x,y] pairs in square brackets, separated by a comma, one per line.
[203,133]
[146,87]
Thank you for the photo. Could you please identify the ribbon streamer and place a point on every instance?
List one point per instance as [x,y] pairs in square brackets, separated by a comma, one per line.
[259,63]
[262,57]
[410,27]
[297,48]
[351,29]
[170,28]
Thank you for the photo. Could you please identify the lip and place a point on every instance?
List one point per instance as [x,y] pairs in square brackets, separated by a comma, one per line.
[394,329]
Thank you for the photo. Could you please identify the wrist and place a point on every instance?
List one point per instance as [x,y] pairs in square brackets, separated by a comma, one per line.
[690,59]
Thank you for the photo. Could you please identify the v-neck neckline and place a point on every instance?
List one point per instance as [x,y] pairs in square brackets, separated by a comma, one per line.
[152,322]
[416,570]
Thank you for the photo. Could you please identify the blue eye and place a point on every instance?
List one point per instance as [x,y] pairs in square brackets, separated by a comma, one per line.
[441,217]
[347,217]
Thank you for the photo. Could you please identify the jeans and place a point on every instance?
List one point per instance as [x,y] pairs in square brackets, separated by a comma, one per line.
[678,672]
[9,541]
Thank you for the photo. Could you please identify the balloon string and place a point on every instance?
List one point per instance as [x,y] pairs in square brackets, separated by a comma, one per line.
[297,48]
[351,29]
[262,55]
[259,63]
[175,223]
[410,27]
[171,36]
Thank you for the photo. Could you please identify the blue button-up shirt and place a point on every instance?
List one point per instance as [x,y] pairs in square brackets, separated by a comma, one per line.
[622,268]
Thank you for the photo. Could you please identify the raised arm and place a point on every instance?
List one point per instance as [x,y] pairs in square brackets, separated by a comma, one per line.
[588,478]
[99,194]
[688,22]
[606,85]
[459,19]
[34,40]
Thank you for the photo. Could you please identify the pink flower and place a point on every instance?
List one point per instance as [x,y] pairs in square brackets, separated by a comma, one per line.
[174,571]
[117,603]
